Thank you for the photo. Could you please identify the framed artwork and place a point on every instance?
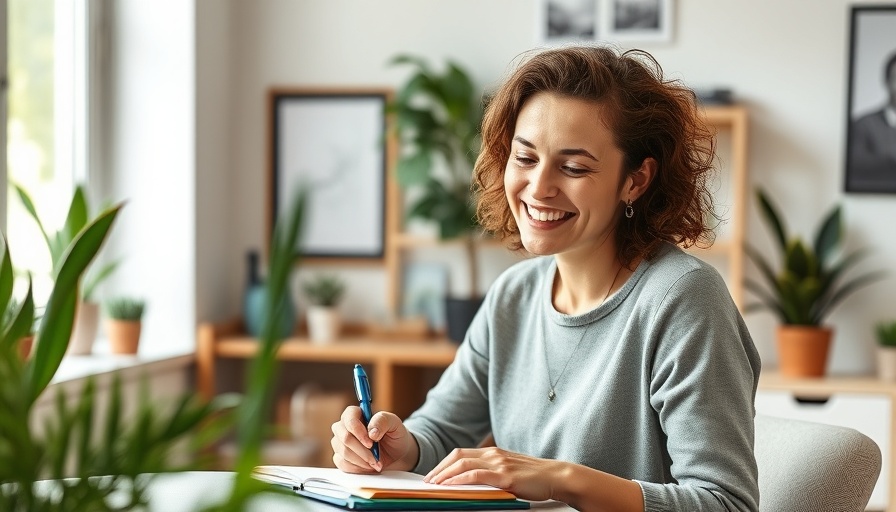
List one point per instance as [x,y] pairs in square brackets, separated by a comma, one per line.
[870,165]
[334,144]
[637,21]
[424,287]
[565,21]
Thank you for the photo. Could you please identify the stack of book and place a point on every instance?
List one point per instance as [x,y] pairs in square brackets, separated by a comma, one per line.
[389,490]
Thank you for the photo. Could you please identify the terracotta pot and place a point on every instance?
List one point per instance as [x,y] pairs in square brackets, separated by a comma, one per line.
[25,345]
[886,363]
[124,336]
[803,350]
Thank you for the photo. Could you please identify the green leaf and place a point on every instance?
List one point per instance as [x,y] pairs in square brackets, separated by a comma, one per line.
[773,218]
[7,279]
[52,338]
[823,308]
[799,261]
[77,216]
[93,280]
[828,237]
[414,169]
[21,324]
[29,207]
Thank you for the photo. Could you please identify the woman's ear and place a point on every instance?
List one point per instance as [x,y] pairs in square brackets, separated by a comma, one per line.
[640,179]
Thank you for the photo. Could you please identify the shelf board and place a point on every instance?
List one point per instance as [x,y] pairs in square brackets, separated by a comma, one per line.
[407,240]
[725,114]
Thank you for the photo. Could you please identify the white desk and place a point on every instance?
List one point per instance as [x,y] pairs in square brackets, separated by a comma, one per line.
[191,491]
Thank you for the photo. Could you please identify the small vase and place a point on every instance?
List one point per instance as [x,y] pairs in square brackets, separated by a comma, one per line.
[803,350]
[254,307]
[886,363]
[85,329]
[124,336]
[324,324]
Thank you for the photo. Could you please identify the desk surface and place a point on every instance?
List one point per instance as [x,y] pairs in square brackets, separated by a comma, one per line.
[190,491]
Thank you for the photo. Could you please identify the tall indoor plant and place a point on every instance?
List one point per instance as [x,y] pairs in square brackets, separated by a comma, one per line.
[437,120]
[809,284]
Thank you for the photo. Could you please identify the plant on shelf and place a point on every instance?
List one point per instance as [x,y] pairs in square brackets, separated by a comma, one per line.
[810,283]
[886,350]
[437,121]
[125,321]
[85,329]
[324,293]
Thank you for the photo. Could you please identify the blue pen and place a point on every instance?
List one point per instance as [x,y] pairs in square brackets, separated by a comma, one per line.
[362,390]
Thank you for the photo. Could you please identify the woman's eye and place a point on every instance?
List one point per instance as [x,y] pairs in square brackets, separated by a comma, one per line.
[524,160]
[575,171]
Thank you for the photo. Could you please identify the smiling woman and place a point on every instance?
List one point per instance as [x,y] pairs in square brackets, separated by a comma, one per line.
[597,165]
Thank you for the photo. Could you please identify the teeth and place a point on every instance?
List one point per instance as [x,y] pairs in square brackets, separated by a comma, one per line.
[544,216]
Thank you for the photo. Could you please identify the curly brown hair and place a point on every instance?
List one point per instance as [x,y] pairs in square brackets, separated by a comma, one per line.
[649,117]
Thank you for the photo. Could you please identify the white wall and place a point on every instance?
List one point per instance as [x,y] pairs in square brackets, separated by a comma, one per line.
[150,163]
[785,59]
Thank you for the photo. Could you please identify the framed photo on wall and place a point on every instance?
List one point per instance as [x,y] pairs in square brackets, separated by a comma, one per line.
[566,21]
[334,144]
[871,107]
[636,21]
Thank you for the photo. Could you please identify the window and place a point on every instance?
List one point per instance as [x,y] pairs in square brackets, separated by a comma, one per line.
[46,123]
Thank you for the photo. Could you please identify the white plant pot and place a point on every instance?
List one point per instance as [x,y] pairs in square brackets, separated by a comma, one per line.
[886,363]
[324,324]
[85,329]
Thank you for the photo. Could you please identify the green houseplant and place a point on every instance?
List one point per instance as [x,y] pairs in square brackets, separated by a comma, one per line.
[124,323]
[88,469]
[324,291]
[79,212]
[810,282]
[437,120]
[886,350]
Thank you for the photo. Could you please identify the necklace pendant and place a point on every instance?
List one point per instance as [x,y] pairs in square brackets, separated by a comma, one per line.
[551,395]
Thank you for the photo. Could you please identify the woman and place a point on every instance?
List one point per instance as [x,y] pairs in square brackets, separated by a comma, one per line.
[614,372]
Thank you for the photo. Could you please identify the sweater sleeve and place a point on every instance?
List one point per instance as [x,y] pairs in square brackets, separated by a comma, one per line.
[455,413]
[702,386]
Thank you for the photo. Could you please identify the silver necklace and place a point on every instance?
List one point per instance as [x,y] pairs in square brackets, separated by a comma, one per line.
[553,383]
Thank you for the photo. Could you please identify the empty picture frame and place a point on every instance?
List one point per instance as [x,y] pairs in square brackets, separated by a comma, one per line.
[333,144]
[870,165]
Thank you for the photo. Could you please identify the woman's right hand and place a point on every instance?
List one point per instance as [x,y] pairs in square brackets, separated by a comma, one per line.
[352,442]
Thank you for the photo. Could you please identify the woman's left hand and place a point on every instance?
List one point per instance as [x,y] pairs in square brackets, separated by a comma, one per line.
[526,477]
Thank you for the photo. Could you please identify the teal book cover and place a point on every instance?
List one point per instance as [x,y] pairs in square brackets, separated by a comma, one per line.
[350,502]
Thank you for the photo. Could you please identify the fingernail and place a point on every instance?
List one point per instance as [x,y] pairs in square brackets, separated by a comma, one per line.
[373,432]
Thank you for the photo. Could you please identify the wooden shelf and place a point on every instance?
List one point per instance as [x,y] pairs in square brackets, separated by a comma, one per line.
[395,367]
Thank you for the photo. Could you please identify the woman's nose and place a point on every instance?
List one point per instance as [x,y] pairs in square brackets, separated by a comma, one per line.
[541,182]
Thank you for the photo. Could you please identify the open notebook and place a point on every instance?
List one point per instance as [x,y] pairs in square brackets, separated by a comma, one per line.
[390,490]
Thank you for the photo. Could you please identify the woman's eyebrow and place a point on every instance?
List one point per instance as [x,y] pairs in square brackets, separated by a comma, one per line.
[570,151]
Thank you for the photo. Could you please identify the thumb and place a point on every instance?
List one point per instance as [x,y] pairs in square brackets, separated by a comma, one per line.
[382,423]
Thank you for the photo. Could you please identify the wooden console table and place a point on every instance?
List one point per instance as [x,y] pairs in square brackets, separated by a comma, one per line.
[394,366]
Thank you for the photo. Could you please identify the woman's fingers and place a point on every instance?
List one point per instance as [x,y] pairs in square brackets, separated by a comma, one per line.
[438,473]
[351,442]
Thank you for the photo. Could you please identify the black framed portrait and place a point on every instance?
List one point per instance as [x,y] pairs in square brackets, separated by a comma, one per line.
[871,106]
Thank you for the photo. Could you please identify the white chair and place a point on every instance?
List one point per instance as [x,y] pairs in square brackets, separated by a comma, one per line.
[813,467]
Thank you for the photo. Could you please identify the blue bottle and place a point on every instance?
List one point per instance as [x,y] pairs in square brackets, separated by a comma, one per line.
[255,302]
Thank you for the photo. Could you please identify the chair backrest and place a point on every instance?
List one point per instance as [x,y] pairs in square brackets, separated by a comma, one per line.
[806,466]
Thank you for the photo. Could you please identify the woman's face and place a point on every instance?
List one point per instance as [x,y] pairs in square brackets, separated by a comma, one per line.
[562,178]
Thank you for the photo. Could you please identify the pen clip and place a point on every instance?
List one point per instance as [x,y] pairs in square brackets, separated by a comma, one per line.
[362,386]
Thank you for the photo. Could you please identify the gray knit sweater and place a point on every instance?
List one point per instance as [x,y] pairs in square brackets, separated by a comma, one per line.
[655,385]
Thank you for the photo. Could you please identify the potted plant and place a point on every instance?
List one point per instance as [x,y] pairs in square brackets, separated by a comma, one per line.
[124,322]
[324,293]
[886,351]
[809,284]
[87,312]
[437,121]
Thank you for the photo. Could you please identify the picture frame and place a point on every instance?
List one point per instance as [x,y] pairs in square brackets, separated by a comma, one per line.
[870,163]
[335,144]
[637,21]
[565,21]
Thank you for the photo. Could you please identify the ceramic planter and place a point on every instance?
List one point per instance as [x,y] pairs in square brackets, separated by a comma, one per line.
[324,324]
[85,329]
[25,345]
[886,363]
[124,336]
[803,350]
